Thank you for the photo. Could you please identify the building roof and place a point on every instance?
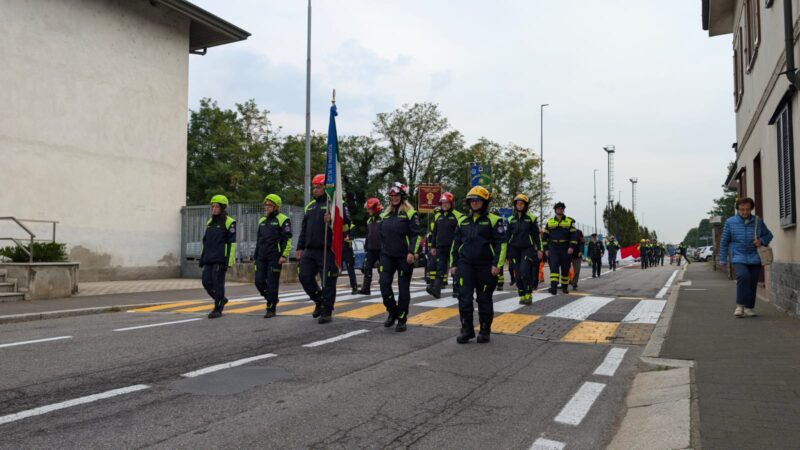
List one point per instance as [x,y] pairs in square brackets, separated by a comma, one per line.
[206,29]
[718,16]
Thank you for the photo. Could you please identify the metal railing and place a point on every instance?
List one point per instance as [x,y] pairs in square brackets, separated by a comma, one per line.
[32,237]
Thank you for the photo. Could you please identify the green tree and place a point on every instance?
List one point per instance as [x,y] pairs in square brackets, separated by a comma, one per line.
[362,160]
[621,223]
[288,174]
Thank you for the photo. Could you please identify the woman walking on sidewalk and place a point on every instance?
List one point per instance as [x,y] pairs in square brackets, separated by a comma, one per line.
[743,234]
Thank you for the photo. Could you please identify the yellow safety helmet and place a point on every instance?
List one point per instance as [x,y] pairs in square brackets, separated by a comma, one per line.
[274,198]
[478,192]
[221,199]
[522,198]
[643,240]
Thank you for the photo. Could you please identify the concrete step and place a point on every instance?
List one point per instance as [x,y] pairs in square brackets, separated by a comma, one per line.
[6,286]
[3,274]
[11,297]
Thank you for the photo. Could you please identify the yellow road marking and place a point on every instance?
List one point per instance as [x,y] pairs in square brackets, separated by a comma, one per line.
[592,332]
[433,316]
[259,307]
[167,306]
[205,307]
[365,312]
[306,310]
[512,323]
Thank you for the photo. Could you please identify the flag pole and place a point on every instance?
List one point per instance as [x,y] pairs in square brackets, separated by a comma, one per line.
[328,211]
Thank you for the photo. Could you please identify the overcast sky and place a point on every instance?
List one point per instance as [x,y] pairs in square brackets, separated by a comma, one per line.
[641,75]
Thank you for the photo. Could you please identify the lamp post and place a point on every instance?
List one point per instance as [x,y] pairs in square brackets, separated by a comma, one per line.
[634,180]
[541,160]
[307,191]
[595,200]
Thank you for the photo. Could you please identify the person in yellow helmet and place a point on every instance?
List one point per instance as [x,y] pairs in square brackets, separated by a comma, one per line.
[524,248]
[477,254]
[273,244]
[219,252]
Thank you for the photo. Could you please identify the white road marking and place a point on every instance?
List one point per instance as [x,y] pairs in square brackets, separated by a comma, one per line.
[663,290]
[336,338]
[611,362]
[580,403]
[440,303]
[78,401]
[582,308]
[547,444]
[35,341]
[357,296]
[157,324]
[510,305]
[696,289]
[414,295]
[227,365]
[646,311]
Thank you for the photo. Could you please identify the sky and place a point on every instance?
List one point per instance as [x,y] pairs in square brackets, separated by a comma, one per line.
[642,76]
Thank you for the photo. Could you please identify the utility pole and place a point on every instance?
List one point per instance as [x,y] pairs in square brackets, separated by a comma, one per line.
[633,195]
[307,192]
[595,200]
[541,160]
[610,150]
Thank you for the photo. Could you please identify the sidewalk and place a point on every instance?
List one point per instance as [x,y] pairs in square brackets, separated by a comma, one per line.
[746,371]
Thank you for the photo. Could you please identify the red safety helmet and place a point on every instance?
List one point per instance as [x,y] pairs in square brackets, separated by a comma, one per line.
[318,179]
[447,197]
[373,204]
[399,189]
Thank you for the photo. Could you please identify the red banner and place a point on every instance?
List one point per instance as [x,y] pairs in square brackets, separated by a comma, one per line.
[429,195]
[632,251]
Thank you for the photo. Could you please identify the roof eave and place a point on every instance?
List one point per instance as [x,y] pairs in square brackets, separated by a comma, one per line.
[718,16]
[214,30]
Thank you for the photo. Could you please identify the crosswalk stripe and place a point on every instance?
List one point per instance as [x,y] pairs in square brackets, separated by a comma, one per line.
[247,309]
[433,316]
[507,306]
[582,308]
[512,323]
[306,310]
[167,306]
[203,307]
[365,312]
[439,303]
[592,332]
[646,311]
[414,295]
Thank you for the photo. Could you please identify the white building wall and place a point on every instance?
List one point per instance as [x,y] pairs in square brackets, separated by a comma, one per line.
[93,129]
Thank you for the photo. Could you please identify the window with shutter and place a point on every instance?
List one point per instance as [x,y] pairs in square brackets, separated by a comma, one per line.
[786,195]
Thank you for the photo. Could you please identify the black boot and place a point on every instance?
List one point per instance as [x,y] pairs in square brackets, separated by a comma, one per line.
[435,288]
[485,333]
[565,288]
[354,290]
[317,310]
[270,311]
[553,288]
[401,326]
[389,320]
[222,305]
[325,316]
[467,331]
[215,313]
[365,286]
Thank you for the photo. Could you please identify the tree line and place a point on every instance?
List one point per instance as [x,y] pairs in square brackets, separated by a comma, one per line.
[724,206]
[241,153]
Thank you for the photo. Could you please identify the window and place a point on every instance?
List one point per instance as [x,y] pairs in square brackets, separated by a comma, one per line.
[752,26]
[786,195]
[738,75]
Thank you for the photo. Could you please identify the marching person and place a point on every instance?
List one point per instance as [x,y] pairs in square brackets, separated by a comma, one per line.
[372,244]
[315,254]
[524,248]
[682,250]
[643,253]
[501,277]
[348,257]
[596,252]
[400,239]
[219,252]
[443,230]
[577,259]
[663,253]
[478,253]
[430,258]
[743,234]
[273,243]
[560,238]
[613,248]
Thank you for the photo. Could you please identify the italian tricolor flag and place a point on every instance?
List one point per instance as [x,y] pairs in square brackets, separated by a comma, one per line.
[334,189]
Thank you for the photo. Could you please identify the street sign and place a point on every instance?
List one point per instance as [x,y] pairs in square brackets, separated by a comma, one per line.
[429,195]
[505,212]
[480,174]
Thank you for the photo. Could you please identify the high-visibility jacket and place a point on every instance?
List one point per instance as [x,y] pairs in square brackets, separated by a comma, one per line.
[219,241]
[480,240]
[274,237]
[560,233]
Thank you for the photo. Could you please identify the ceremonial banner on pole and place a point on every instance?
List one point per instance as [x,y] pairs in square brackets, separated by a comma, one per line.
[334,189]
[429,195]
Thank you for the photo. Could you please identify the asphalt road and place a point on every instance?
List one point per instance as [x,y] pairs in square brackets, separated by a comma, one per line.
[373,388]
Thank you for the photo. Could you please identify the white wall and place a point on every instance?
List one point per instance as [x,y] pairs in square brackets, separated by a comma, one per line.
[93,128]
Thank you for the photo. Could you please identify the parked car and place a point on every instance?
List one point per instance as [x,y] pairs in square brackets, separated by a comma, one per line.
[358,251]
[705,253]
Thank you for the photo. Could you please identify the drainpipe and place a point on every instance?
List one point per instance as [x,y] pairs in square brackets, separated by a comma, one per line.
[788,30]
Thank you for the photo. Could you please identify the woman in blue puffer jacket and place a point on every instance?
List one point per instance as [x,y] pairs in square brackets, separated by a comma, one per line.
[739,235]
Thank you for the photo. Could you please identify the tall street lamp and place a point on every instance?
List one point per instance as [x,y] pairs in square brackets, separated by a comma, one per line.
[307,191]
[541,160]
[595,200]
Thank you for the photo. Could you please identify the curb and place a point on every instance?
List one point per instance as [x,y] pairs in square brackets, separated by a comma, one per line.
[17,318]
[661,405]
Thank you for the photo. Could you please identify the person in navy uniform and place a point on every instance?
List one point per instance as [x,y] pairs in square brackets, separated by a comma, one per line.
[273,244]
[372,244]
[560,240]
[524,248]
[219,252]
[444,227]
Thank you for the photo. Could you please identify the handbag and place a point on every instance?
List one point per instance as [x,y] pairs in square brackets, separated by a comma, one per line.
[764,252]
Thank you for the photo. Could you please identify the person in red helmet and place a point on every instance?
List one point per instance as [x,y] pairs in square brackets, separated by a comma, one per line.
[444,228]
[400,239]
[314,254]
[372,244]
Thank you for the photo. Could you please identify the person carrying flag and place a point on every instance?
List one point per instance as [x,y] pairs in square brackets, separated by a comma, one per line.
[560,239]
[273,244]
[477,254]
[372,244]
[315,254]
[524,248]
[219,252]
[400,239]
[444,228]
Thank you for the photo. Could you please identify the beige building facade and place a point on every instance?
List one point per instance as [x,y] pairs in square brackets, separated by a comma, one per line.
[93,125]
[767,108]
